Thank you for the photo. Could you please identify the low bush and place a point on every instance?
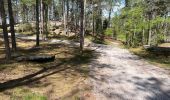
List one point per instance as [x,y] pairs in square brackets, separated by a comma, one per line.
[25,27]
[108,32]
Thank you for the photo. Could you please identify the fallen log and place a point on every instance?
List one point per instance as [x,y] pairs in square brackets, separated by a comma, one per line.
[36,58]
[165,51]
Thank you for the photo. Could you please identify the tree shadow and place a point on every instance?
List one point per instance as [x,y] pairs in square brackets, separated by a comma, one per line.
[154,86]
[27,79]
[60,64]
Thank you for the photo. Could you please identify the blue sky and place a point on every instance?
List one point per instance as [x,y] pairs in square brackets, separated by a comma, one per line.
[116,9]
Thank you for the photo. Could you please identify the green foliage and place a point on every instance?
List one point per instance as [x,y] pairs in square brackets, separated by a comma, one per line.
[121,37]
[28,2]
[1,30]
[34,96]
[134,24]
[108,32]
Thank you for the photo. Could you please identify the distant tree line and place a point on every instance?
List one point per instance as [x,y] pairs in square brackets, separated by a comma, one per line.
[143,22]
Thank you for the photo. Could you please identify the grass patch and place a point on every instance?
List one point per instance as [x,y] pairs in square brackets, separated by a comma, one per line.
[121,37]
[34,96]
[25,94]
[1,30]
[27,33]
[152,58]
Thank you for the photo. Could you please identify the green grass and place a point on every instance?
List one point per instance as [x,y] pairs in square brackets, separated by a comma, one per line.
[1,30]
[25,94]
[27,33]
[161,61]
[34,96]
[121,37]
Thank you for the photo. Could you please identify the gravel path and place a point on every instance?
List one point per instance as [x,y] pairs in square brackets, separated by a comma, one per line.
[119,75]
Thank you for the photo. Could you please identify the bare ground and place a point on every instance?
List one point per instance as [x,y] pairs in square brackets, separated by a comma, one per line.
[61,79]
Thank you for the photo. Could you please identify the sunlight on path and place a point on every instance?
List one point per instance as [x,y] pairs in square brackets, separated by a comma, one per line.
[119,75]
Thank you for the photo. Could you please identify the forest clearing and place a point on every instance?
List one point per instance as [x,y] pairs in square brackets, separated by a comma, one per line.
[84,50]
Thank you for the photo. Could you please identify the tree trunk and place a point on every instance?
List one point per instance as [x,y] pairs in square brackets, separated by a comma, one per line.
[77,16]
[82,22]
[37,23]
[67,18]
[110,12]
[5,33]
[150,34]
[64,17]
[46,19]
[42,20]
[12,25]
[93,19]
[126,3]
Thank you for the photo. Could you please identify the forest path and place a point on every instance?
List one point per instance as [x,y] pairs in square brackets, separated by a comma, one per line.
[117,74]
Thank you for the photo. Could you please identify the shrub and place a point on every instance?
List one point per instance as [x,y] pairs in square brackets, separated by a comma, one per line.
[108,32]
[25,27]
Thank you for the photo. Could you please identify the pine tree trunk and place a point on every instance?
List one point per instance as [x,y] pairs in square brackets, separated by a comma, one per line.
[42,19]
[37,23]
[82,9]
[67,18]
[46,19]
[77,16]
[12,25]
[110,12]
[150,34]
[64,17]
[93,22]
[5,33]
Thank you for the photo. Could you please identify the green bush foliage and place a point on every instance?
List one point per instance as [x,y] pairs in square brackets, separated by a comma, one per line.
[138,29]
[108,32]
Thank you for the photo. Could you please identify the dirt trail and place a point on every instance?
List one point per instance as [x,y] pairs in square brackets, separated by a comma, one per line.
[119,75]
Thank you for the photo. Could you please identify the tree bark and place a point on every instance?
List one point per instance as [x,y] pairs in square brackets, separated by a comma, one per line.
[42,19]
[110,12]
[5,33]
[82,22]
[93,20]
[46,19]
[64,18]
[12,25]
[67,18]
[37,23]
